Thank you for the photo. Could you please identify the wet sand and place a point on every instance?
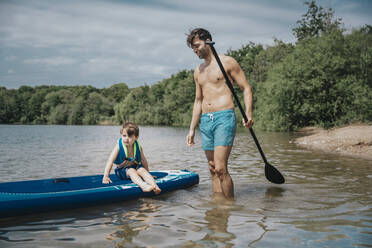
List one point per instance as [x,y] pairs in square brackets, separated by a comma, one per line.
[353,140]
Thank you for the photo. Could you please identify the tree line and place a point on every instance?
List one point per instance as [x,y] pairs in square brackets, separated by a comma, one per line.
[324,79]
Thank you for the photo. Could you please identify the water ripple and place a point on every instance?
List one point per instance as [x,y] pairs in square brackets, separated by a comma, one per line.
[326,201]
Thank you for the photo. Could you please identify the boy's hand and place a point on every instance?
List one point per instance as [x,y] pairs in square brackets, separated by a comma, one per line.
[106,180]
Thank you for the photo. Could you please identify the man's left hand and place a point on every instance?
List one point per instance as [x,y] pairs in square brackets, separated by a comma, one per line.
[248,124]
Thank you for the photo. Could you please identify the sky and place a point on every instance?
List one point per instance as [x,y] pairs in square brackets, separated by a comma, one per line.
[101,43]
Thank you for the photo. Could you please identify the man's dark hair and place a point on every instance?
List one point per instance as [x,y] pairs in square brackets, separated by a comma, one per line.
[201,33]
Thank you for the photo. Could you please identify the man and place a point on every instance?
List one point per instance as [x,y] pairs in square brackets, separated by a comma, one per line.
[214,107]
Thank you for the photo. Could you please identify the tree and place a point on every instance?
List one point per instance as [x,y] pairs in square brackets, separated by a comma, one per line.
[96,106]
[315,22]
[266,60]
[116,92]
[133,103]
[77,112]
[320,83]
[246,56]
[9,112]
[57,106]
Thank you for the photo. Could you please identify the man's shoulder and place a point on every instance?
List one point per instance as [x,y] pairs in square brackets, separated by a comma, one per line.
[229,62]
[227,58]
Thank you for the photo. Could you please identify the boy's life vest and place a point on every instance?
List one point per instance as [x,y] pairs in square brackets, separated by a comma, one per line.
[122,159]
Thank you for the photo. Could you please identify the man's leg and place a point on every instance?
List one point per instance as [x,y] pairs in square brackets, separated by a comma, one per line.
[221,156]
[216,186]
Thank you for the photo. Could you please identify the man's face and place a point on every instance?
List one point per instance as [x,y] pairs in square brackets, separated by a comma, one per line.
[199,48]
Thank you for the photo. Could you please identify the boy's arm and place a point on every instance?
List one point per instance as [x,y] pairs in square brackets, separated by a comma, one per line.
[144,160]
[109,164]
[238,76]
[197,110]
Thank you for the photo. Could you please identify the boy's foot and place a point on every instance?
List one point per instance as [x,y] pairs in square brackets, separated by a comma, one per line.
[147,188]
[157,190]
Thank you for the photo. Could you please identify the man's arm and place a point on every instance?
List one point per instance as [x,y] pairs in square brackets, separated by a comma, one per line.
[238,76]
[197,110]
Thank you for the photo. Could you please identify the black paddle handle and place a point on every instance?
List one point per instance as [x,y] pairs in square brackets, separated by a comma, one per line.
[229,84]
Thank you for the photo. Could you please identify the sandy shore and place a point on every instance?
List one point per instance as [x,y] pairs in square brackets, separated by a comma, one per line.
[354,140]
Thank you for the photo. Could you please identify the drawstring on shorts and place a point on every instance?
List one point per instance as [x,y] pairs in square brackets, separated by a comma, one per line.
[211,116]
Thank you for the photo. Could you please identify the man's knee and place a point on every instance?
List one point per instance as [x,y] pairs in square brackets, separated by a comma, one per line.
[220,171]
[220,167]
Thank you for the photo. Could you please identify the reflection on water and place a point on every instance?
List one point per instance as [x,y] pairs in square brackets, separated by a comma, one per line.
[216,224]
[129,224]
[326,201]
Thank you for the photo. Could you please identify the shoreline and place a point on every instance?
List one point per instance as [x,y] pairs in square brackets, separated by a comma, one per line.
[353,140]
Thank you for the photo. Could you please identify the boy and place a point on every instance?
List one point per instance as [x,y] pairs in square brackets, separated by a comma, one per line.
[130,160]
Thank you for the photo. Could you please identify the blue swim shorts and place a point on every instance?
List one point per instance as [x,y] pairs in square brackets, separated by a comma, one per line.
[122,171]
[218,129]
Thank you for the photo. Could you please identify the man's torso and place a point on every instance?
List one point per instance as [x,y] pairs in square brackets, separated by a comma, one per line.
[216,94]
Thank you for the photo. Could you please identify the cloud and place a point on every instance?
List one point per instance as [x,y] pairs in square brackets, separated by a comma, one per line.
[103,42]
[53,61]
[10,58]
[107,25]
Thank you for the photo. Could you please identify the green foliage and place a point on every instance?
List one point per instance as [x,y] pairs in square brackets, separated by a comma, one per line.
[8,106]
[97,106]
[325,79]
[116,92]
[168,102]
[130,108]
[75,105]
[77,111]
[266,60]
[315,22]
[319,83]
[246,56]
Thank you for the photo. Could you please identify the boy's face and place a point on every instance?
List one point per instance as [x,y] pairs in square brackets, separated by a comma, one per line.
[128,140]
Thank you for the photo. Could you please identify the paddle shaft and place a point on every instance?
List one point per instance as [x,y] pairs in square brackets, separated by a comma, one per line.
[229,84]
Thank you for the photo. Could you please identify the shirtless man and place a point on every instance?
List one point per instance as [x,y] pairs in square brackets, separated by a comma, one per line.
[214,107]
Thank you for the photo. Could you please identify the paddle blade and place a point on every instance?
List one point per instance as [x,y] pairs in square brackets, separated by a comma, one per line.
[273,175]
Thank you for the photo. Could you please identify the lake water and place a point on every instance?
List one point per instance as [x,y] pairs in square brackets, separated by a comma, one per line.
[325,202]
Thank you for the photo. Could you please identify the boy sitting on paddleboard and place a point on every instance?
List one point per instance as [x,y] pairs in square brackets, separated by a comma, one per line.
[130,160]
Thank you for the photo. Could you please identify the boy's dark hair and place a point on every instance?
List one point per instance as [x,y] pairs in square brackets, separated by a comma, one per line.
[131,128]
[201,33]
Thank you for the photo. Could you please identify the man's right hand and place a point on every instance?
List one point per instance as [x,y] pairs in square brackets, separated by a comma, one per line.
[190,138]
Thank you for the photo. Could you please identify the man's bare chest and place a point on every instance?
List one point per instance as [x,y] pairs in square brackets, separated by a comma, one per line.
[210,75]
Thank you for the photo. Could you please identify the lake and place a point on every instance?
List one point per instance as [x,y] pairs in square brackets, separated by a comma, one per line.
[325,202]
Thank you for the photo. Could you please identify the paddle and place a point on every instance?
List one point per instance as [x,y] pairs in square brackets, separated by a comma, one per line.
[271,173]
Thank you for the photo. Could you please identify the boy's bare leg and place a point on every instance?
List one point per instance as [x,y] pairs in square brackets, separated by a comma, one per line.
[132,173]
[149,179]
[221,156]
[216,186]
